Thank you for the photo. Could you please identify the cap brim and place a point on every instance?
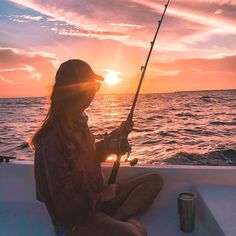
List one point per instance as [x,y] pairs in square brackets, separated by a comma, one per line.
[98,77]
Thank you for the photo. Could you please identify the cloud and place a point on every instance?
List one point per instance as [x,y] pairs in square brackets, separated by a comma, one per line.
[199,65]
[6,80]
[136,12]
[81,20]
[99,34]
[32,65]
[126,25]
[191,74]
[193,34]
[25,18]
[186,24]
[201,12]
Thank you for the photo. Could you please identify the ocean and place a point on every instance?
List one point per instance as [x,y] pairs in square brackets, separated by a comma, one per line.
[192,128]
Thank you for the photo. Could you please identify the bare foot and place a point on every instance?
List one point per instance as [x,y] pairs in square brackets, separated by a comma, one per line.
[134,221]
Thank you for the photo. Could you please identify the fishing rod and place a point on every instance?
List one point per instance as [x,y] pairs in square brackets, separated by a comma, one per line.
[116,164]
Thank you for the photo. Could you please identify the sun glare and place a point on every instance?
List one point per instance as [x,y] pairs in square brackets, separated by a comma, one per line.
[111,77]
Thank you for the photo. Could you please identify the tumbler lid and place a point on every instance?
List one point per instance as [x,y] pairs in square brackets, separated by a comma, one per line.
[187,196]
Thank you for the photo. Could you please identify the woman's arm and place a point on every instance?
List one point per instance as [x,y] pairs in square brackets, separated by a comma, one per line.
[108,193]
[101,150]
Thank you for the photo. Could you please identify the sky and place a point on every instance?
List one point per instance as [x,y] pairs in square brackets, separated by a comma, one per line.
[195,48]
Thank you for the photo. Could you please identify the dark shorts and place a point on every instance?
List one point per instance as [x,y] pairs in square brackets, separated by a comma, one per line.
[62,231]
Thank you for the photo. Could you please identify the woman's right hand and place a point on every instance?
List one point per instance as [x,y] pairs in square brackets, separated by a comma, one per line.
[108,193]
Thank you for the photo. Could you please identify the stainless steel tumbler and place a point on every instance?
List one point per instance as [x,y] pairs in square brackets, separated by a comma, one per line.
[187,211]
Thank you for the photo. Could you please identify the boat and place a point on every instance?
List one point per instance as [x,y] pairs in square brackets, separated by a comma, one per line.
[215,186]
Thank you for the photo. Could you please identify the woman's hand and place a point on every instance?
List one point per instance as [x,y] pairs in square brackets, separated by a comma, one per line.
[116,142]
[118,145]
[108,193]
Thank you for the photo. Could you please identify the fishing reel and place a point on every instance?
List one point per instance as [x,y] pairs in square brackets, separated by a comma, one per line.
[120,146]
[132,162]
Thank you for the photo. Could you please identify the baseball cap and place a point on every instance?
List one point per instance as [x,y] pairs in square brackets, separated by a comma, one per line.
[75,71]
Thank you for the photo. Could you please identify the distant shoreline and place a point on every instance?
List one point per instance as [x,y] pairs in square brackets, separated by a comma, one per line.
[182,91]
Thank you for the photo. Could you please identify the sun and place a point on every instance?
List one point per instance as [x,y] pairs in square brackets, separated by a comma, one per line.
[111,77]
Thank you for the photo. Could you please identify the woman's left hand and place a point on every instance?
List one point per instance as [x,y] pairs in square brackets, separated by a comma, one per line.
[117,145]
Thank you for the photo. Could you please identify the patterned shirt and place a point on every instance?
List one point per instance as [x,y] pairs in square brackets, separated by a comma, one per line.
[71,193]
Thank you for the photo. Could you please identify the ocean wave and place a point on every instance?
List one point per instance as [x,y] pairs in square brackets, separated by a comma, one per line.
[22,146]
[192,131]
[155,117]
[221,158]
[167,133]
[151,142]
[206,98]
[9,148]
[172,142]
[222,123]
[142,130]
[178,124]
[185,114]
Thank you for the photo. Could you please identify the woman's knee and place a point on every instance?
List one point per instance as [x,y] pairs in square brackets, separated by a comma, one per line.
[130,184]
[155,178]
[154,183]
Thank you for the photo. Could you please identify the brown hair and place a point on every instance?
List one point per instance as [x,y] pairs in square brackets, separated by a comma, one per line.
[60,118]
[71,86]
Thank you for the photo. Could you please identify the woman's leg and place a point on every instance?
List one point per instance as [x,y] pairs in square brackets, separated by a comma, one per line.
[104,225]
[135,195]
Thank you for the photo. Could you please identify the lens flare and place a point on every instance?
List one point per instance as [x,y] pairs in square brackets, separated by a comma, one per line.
[111,78]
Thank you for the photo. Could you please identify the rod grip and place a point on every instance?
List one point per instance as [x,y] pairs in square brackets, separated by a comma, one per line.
[114,171]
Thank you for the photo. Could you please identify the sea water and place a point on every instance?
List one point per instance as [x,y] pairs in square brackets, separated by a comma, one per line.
[197,128]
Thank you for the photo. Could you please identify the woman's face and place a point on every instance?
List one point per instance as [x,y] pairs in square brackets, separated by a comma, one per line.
[88,94]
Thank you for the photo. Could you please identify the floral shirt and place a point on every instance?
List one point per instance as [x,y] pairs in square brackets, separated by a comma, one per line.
[71,193]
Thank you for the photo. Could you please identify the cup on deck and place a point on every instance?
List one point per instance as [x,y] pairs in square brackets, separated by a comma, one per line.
[187,211]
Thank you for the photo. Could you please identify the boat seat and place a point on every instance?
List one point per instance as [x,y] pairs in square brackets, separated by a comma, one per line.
[218,208]
[20,213]
[25,218]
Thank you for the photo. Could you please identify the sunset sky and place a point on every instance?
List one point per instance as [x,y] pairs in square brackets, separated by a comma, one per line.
[195,48]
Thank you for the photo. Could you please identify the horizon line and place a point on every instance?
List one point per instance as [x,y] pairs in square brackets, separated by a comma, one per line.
[181,91]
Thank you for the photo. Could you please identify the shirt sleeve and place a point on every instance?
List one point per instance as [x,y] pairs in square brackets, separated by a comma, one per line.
[73,202]
[101,151]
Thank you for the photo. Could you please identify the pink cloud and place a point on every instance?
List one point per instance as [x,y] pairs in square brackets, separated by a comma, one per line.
[216,65]
[11,59]
[25,18]
[186,22]
[191,29]
[32,72]
[191,74]
[3,79]
[99,34]
[201,12]
[133,12]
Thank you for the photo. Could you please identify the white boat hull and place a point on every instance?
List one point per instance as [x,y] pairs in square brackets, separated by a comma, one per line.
[22,215]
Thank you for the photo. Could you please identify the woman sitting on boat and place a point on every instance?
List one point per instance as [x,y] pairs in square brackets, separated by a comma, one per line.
[68,171]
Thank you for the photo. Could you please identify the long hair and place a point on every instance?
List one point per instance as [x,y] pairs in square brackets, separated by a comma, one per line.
[72,92]
[61,117]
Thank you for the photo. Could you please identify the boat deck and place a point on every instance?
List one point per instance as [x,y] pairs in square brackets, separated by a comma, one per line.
[215,187]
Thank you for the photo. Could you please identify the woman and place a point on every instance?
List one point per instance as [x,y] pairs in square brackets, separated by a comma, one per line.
[68,172]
